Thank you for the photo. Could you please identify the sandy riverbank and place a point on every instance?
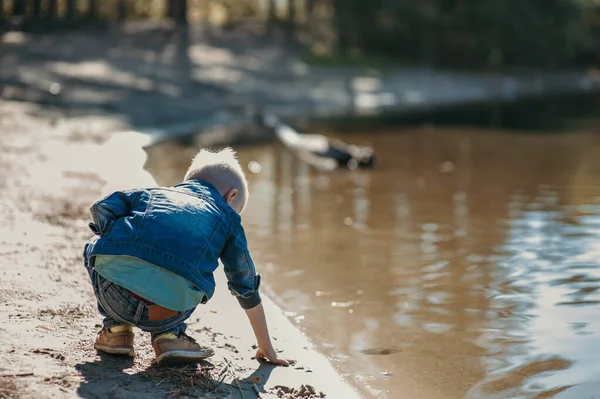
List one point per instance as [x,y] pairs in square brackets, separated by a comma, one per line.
[50,174]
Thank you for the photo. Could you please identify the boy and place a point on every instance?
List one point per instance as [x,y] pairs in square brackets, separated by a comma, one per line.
[153,257]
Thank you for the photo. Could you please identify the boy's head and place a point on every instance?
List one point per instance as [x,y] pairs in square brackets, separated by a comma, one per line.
[221,169]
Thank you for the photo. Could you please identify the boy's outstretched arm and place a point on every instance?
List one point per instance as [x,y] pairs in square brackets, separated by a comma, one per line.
[244,282]
[258,320]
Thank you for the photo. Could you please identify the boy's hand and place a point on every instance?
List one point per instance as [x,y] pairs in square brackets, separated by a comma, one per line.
[271,357]
[257,318]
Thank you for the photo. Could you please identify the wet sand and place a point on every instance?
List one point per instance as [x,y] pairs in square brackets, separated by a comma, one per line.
[464,265]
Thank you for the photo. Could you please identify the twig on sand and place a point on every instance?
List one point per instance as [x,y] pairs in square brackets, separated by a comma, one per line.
[240,388]
[189,380]
[17,375]
[222,375]
[256,390]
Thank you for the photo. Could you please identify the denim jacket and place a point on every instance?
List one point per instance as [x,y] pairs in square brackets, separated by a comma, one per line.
[184,229]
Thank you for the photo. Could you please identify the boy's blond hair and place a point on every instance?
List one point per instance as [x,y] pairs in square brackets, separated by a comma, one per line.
[221,169]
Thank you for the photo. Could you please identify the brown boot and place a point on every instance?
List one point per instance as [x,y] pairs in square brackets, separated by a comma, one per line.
[171,349]
[116,340]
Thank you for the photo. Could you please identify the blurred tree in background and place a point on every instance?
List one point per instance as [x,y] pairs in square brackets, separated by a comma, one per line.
[488,34]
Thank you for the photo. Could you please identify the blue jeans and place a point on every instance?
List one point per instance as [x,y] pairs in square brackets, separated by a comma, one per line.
[119,307]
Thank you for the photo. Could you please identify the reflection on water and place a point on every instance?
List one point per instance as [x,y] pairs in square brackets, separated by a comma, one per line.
[467,264]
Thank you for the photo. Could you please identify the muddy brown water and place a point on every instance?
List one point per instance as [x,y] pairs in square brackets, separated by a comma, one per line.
[465,265]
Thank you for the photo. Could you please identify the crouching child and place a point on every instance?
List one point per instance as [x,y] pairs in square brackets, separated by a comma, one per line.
[152,259]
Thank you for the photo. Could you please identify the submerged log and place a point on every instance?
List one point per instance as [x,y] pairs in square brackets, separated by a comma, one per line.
[317,149]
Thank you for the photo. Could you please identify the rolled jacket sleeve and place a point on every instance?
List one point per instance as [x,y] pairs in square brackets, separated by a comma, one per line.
[242,279]
[110,208]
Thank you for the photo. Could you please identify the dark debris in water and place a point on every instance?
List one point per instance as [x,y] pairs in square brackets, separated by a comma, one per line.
[381,351]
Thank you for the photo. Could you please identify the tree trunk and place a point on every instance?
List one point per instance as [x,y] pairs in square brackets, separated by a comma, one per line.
[92,11]
[19,7]
[310,8]
[181,12]
[36,15]
[171,8]
[52,10]
[341,25]
[291,18]
[37,9]
[271,16]
[121,10]
[71,10]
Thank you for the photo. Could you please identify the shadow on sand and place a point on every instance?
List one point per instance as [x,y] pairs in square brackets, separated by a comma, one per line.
[120,377]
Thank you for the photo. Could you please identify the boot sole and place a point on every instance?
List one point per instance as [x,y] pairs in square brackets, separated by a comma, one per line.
[173,358]
[114,350]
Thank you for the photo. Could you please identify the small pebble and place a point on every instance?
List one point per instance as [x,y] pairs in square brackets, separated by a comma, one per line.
[54,88]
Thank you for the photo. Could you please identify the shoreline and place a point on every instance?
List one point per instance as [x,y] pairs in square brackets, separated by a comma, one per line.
[239,130]
[313,368]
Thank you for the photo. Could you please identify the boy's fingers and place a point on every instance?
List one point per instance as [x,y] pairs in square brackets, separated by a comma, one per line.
[285,362]
[276,361]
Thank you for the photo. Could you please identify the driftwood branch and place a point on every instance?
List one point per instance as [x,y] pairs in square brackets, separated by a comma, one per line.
[17,375]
